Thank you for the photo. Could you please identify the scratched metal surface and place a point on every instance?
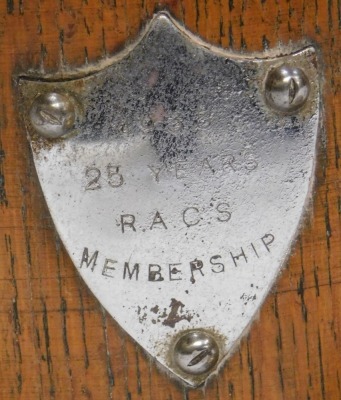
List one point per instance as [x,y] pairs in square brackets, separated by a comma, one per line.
[180,192]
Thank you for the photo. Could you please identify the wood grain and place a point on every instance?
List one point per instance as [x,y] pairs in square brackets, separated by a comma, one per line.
[56,341]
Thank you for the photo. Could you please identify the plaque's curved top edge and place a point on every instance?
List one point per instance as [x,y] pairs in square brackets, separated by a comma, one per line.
[276,52]
[163,17]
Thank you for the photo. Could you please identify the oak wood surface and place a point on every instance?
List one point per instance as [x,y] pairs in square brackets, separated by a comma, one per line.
[56,342]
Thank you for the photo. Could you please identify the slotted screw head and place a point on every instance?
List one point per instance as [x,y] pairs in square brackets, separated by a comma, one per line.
[196,352]
[287,88]
[53,114]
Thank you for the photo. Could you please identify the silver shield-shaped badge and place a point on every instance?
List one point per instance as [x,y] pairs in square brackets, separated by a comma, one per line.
[177,175]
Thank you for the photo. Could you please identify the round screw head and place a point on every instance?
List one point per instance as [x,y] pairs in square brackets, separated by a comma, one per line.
[53,115]
[287,88]
[196,352]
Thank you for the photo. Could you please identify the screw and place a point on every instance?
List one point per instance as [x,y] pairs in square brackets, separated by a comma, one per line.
[53,115]
[196,352]
[286,88]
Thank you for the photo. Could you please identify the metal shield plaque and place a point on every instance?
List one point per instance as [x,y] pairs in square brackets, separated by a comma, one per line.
[177,175]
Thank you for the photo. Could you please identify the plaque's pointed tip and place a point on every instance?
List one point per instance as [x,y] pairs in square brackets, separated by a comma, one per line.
[164,18]
[163,24]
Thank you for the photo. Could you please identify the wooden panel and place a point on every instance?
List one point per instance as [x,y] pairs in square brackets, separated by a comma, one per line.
[56,341]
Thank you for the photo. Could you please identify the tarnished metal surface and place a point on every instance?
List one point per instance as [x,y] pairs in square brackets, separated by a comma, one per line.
[179,191]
